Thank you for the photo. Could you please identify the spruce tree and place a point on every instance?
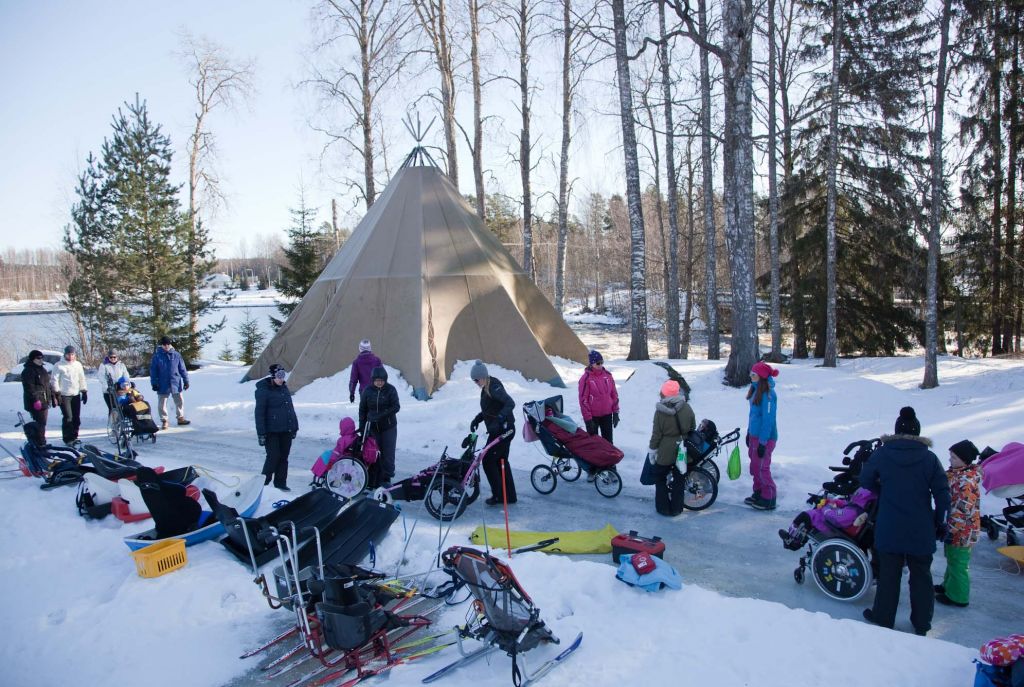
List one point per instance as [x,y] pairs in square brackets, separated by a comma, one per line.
[306,254]
[250,339]
[129,239]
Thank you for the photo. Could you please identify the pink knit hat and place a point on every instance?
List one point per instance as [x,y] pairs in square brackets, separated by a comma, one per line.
[764,370]
[670,388]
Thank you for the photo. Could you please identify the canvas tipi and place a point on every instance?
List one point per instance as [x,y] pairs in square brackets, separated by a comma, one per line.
[429,285]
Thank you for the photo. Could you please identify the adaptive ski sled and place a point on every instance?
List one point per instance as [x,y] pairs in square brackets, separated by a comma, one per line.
[502,617]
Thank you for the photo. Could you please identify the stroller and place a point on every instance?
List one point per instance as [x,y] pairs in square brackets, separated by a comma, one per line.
[571,449]
[704,444]
[838,530]
[448,486]
[131,417]
[1003,477]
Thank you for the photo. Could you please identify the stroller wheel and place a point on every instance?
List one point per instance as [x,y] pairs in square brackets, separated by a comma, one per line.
[446,502]
[608,483]
[991,528]
[113,422]
[543,479]
[712,469]
[347,477]
[1011,538]
[841,570]
[699,489]
[798,575]
[383,495]
[568,469]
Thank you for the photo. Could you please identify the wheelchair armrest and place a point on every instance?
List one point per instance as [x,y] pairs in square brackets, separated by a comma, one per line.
[838,468]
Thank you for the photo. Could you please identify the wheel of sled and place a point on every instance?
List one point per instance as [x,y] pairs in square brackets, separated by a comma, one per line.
[347,477]
[568,469]
[991,528]
[543,478]
[699,489]
[608,483]
[841,570]
[446,502]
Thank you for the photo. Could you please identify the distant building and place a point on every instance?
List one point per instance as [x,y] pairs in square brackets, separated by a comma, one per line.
[217,281]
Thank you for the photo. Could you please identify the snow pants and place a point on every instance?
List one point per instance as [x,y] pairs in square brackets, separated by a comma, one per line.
[179,405]
[957,582]
[761,468]
[39,417]
[602,424]
[278,446]
[386,443]
[492,467]
[71,411]
[922,590]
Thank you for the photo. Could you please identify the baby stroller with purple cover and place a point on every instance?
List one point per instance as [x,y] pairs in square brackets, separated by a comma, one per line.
[838,530]
[572,450]
[1003,477]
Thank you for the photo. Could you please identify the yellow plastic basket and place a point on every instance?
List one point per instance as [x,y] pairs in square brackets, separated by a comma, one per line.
[160,558]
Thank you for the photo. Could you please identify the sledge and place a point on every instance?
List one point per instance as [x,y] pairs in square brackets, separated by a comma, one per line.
[129,506]
[247,538]
[579,541]
[1015,553]
[180,512]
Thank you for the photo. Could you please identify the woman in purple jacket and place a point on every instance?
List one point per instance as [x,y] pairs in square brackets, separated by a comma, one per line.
[362,370]
[599,401]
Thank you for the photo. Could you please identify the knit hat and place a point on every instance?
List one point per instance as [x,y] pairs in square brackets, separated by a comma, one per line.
[33,354]
[670,388]
[112,353]
[478,372]
[907,422]
[764,370]
[164,340]
[595,358]
[364,345]
[69,349]
[965,450]
[379,373]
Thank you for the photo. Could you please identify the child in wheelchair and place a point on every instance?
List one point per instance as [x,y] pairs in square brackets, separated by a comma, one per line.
[831,516]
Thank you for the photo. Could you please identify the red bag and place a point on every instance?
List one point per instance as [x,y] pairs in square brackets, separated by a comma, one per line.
[370,451]
[628,544]
[643,563]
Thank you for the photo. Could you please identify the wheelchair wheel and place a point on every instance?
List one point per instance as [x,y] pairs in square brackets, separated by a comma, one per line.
[543,478]
[699,489]
[113,424]
[841,570]
[347,477]
[446,501]
[990,527]
[568,469]
[608,483]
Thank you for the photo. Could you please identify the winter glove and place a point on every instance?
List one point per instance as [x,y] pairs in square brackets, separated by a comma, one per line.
[262,439]
[156,389]
[38,405]
[54,401]
[294,433]
[351,397]
[476,422]
[615,419]
[85,397]
[186,386]
[652,456]
[591,426]
[760,450]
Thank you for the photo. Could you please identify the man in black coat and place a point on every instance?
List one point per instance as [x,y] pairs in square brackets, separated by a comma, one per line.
[276,425]
[497,412]
[38,395]
[378,414]
[907,478]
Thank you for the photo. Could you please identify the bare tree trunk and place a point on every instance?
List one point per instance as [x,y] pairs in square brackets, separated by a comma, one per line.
[366,102]
[707,172]
[433,16]
[773,195]
[563,159]
[672,287]
[659,205]
[830,209]
[478,125]
[637,281]
[524,137]
[738,169]
[687,284]
[931,326]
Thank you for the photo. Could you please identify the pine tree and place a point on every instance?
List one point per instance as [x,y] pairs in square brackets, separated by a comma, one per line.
[250,339]
[306,255]
[129,239]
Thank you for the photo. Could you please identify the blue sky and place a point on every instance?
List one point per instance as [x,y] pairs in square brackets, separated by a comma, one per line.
[67,67]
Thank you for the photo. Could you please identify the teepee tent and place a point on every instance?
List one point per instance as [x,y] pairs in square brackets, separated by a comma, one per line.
[429,285]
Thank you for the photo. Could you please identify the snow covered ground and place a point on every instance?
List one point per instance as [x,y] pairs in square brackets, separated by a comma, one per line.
[76,612]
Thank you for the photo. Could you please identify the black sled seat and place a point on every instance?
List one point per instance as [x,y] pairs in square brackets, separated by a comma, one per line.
[174,512]
[316,508]
[57,465]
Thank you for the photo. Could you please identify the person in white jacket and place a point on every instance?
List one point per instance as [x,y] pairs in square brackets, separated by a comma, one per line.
[68,381]
[111,370]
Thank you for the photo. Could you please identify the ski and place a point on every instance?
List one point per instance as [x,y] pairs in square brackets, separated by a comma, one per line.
[402,660]
[281,637]
[458,663]
[548,665]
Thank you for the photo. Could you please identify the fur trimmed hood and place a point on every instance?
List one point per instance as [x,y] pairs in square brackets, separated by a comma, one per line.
[671,405]
[887,438]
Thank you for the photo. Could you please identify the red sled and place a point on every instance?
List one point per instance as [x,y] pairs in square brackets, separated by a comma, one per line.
[634,543]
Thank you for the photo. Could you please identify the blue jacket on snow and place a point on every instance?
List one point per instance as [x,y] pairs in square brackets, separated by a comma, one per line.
[167,371]
[761,421]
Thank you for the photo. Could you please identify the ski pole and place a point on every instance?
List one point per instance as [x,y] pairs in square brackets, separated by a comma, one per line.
[504,501]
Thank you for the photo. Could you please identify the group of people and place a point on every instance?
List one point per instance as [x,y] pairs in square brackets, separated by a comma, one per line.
[66,387]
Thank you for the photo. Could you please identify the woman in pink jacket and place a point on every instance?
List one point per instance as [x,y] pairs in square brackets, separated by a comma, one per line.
[599,401]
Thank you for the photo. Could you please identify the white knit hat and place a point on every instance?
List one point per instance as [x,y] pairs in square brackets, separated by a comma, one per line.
[364,345]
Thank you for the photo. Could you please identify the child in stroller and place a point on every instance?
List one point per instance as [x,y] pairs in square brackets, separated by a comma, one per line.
[703,444]
[1003,477]
[571,448]
[838,530]
[350,466]
[136,414]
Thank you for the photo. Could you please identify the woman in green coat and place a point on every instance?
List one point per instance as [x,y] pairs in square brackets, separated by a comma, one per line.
[673,420]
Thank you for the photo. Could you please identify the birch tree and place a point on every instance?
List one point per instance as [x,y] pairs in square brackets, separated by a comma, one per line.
[672,287]
[708,188]
[477,148]
[433,18]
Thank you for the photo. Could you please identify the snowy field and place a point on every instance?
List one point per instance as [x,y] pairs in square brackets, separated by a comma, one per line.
[76,612]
